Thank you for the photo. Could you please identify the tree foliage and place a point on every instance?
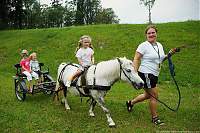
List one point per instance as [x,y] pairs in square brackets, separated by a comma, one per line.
[31,14]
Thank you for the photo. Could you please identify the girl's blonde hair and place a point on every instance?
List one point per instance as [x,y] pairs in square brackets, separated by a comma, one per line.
[80,42]
[31,55]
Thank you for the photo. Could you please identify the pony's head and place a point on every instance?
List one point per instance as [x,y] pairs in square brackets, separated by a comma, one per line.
[129,74]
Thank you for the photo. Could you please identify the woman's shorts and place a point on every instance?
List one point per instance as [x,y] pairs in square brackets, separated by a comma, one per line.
[150,80]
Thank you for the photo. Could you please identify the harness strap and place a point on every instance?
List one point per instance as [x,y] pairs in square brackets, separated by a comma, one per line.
[96,87]
[62,71]
[81,94]
[120,65]
[121,70]
[94,79]
[60,79]
[92,87]
[61,74]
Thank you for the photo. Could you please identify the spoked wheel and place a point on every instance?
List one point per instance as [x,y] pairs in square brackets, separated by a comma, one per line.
[48,88]
[20,90]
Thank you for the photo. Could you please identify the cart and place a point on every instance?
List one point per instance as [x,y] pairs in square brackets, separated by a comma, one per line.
[47,84]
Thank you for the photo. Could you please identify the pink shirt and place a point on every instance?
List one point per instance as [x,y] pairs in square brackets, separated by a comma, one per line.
[25,63]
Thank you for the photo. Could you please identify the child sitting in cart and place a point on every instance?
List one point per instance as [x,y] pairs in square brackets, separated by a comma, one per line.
[26,70]
[34,65]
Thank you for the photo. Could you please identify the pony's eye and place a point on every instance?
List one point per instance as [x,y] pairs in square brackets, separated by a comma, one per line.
[128,70]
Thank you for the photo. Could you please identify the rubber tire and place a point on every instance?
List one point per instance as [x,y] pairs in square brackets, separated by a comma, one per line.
[22,86]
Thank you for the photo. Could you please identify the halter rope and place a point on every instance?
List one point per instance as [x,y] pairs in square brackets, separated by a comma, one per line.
[172,73]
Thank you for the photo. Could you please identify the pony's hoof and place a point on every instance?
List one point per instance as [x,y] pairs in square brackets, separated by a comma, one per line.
[67,108]
[112,125]
[91,114]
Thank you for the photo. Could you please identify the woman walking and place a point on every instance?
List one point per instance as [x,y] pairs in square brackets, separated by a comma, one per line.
[147,62]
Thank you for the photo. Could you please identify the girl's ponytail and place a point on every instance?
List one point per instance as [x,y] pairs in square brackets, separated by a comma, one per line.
[81,41]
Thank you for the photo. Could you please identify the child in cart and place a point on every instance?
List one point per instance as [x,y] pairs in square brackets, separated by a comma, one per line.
[34,65]
[26,69]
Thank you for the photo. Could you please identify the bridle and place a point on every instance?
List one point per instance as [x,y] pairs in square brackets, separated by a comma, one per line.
[123,71]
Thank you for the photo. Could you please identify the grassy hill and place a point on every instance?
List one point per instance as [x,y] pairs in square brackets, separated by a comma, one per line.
[39,114]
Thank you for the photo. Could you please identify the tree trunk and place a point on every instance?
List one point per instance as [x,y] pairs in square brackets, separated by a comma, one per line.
[150,22]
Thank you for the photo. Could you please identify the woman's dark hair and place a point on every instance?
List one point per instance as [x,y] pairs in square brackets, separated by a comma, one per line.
[149,27]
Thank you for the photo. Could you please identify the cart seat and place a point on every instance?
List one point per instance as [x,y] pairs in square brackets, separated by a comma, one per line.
[18,73]
[17,66]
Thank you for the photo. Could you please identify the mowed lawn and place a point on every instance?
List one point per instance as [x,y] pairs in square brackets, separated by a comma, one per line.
[38,113]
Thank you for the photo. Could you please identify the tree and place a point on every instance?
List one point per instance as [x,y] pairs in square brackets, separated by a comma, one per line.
[106,16]
[4,13]
[56,12]
[37,18]
[149,4]
[30,14]
[79,17]
[18,13]
[91,12]
[91,9]
[44,16]
[29,6]
[69,13]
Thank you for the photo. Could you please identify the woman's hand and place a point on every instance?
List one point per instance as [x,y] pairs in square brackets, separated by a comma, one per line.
[171,52]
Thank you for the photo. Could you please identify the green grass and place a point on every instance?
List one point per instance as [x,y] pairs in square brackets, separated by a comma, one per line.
[40,114]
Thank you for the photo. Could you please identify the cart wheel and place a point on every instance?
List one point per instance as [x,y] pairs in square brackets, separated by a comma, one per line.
[48,78]
[20,90]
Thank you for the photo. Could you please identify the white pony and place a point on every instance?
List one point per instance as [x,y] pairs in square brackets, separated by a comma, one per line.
[99,79]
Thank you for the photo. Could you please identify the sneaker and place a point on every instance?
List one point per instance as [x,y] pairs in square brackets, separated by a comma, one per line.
[68,83]
[129,106]
[157,121]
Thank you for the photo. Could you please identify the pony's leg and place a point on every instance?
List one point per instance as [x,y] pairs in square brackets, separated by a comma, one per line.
[99,98]
[56,98]
[92,105]
[64,100]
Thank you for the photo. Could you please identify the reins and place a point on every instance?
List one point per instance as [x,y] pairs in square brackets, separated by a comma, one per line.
[172,73]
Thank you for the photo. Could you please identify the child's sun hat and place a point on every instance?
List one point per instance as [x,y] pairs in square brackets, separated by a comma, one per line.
[24,51]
